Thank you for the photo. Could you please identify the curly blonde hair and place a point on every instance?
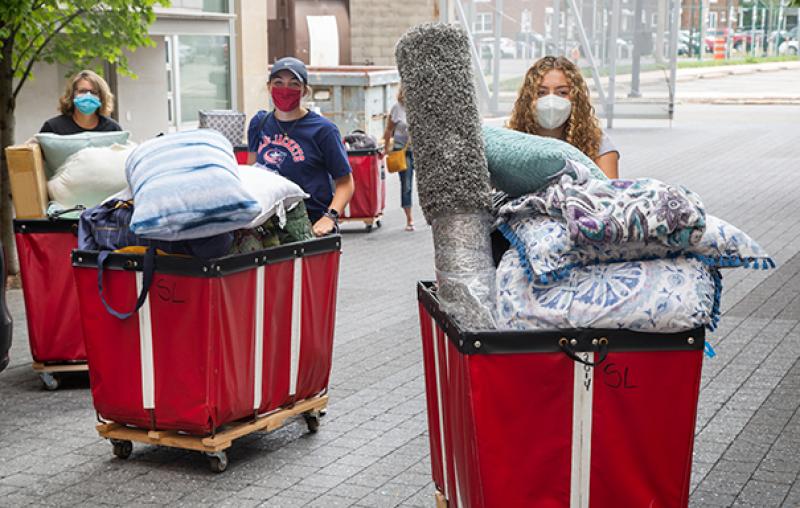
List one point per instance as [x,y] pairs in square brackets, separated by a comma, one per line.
[582,128]
[65,105]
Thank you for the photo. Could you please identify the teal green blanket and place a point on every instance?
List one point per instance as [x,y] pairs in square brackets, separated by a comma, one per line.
[522,163]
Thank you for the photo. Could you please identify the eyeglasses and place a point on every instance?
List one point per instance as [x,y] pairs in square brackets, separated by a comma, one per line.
[82,91]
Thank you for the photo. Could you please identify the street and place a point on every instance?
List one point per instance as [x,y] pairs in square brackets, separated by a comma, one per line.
[372,448]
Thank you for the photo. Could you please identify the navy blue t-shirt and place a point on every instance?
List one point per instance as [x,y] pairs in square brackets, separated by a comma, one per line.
[309,152]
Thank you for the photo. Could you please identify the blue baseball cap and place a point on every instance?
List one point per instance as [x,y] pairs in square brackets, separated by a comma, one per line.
[292,65]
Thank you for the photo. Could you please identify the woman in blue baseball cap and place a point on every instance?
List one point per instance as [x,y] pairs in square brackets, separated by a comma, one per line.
[302,146]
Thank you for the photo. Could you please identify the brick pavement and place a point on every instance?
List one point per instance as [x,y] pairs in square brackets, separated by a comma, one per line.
[372,448]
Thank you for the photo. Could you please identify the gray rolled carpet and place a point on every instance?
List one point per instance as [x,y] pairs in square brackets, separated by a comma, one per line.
[449,159]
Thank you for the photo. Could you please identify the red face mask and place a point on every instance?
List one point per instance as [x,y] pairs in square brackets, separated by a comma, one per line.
[285,98]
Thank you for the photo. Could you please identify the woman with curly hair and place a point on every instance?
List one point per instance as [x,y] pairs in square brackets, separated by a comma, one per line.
[554,101]
[85,106]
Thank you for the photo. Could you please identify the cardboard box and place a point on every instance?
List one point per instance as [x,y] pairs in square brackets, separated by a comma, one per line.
[28,181]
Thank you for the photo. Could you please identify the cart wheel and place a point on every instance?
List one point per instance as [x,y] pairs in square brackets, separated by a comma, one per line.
[312,421]
[369,228]
[217,461]
[122,448]
[378,223]
[51,382]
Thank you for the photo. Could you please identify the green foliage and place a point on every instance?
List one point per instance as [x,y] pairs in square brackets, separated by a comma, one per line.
[79,33]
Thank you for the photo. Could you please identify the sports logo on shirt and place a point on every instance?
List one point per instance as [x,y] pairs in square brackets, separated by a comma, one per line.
[274,156]
[277,148]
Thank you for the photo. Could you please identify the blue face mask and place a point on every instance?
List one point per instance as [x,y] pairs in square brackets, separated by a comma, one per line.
[86,103]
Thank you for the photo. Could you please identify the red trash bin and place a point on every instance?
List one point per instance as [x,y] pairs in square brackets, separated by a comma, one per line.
[51,299]
[369,197]
[215,341]
[514,420]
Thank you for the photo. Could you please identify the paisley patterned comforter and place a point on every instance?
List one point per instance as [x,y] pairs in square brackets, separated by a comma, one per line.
[613,212]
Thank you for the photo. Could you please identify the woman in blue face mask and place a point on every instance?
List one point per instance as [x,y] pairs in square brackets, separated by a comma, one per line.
[85,106]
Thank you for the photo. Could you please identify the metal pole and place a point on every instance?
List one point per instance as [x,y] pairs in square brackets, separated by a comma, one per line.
[753,30]
[444,11]
[729,40]
[557,26]
[498,31]
[585,45]
[612,71]
[673,51]
[702,21]
[637,49]
[483,88]
[691,28]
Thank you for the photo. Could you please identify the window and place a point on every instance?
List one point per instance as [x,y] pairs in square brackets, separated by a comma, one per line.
[205,76]
[202,5]
[712,19]
[483,23]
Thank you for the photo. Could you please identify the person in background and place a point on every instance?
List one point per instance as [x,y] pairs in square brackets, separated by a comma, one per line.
[302,146]
[554,101]
[85,106]
[397,129]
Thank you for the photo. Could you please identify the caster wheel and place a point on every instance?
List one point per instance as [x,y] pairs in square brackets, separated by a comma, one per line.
[217,461]
[51,382]
[312,421]
[378,223]
[122,448]
[369,228]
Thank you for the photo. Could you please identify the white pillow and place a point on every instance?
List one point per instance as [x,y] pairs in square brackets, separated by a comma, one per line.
[90,175]
[273,192]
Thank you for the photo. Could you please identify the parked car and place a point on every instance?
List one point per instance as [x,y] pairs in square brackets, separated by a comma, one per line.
[508,48]
[778,37]
[789,48]
[688,44]
[740,41]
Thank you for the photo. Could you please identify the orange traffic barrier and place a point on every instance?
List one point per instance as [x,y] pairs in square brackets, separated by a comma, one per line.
[719,48]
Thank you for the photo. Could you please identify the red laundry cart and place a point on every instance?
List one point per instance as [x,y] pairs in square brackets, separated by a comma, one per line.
[219,348]
[369,197]
[55,334]
[568,418]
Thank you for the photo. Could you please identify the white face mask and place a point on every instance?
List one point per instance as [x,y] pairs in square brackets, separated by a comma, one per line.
[552,111]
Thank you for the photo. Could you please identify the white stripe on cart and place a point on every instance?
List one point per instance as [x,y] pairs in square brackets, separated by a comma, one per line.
[581,432]
[259,345]
[297,321]
[146,348]
[440,406]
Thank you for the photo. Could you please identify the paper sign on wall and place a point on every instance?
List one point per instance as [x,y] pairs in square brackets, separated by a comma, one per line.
[323,41]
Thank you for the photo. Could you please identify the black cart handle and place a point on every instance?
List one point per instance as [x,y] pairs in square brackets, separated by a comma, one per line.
[602,348]
[147,280]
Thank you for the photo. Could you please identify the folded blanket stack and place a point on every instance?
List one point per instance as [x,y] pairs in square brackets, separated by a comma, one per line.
[637,254]
[186,185]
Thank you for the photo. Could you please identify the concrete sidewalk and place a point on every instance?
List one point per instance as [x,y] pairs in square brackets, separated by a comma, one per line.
[372,448]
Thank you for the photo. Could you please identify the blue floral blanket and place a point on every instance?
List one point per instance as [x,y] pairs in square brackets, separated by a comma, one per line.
[663,295]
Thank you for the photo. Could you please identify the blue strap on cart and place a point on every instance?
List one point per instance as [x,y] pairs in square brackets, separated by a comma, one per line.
[148,270]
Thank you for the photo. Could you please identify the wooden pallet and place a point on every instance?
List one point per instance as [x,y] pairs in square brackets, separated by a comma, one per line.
[48,372]
[213,446]
[60,367]
[369,222]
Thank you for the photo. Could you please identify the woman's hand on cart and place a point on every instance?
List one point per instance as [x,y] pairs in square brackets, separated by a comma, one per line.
[327,224]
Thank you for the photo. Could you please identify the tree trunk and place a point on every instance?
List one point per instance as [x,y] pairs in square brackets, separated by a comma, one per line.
[7,105]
